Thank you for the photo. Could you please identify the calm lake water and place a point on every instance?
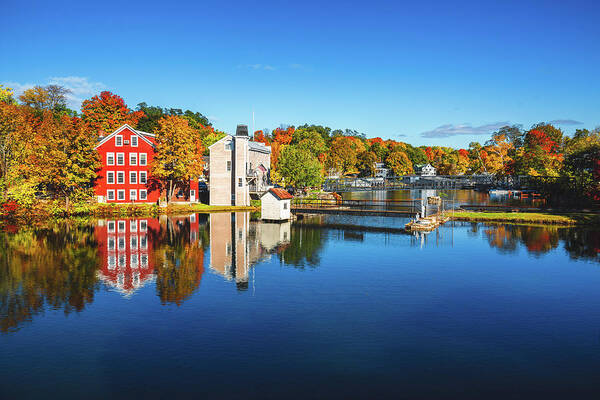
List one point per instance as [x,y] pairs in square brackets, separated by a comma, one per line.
[221,306]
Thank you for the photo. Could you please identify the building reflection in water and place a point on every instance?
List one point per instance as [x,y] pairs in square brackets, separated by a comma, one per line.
[170,251]
[237,244]
[124,247]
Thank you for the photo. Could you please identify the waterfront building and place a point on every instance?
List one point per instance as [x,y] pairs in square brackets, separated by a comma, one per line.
[381,171]
[275,205]
[238,168]
[425,170]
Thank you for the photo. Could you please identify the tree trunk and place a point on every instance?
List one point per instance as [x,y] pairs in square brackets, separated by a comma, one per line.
[67,204]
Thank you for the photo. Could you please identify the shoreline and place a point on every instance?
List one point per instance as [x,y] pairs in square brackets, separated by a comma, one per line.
[47,211]
[541,218]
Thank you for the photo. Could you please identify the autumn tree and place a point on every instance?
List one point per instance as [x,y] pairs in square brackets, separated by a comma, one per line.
[260,137]
[283,136]
[36,97]
[366,162]
[541,155]
[6,95]
[399,163]
[499,149]
[178,156]
[65,157]
[107,112]
[343,154]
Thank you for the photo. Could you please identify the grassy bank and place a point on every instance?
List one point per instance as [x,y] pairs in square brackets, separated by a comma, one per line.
[566,219]
[44,210]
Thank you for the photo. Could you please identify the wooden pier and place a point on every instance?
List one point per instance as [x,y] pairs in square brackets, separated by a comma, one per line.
[374,208]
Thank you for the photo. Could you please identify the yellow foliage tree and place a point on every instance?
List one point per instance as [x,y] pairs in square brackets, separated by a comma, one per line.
[178,153]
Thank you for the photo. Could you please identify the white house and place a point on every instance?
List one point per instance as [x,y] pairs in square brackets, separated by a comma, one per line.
[425,170]
[275,205]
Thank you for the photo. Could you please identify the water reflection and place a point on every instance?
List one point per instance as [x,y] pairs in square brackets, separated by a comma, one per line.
[54,267]
[62,266]
[236,244]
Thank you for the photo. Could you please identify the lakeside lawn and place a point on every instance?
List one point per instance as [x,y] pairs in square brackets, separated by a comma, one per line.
[528,218]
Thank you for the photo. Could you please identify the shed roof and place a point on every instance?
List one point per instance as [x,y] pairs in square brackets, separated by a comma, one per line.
[281,194]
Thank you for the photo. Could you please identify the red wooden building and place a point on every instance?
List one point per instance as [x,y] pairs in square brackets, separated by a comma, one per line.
[126,156]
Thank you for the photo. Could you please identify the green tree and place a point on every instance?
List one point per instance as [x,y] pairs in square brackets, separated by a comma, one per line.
[311,140]
[298,167]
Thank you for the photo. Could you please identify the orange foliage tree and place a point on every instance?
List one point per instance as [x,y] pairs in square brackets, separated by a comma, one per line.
[107,112]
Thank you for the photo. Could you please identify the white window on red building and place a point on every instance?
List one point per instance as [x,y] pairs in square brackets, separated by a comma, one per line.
[120,177]
[118,140]
[110,195]
[133,242]
[134,142]
[144,260]
[143,159]
[143,243]
[121,226]
[143,194]
[143,225]
[143,178]
[133,225]
[120,158]
[133,177]
[111,224]
[120,194]
[132,158]
[121,243]
[110,158]
[111,243]
[110,177]
[133,195]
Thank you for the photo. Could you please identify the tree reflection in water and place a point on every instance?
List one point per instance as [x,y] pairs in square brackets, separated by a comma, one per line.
[536,239]
[60,266]
[52,267]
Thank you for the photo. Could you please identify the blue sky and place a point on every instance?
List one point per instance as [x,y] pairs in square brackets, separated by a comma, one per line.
[426,72]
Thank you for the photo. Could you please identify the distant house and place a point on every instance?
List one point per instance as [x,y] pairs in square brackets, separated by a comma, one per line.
[237,168]
[425,170]
[381,171]
[275,205]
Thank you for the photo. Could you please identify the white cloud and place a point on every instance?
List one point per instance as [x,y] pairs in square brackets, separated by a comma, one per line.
[463,129]
[81,88]
[566,122]
[256,67]
[18,88]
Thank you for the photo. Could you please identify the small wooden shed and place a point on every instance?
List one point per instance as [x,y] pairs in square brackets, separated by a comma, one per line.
[275,205]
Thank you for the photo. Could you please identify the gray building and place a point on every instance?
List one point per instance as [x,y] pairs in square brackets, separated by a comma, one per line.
[237,168]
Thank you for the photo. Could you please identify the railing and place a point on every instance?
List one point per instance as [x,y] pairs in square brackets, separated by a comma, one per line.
[408,206]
